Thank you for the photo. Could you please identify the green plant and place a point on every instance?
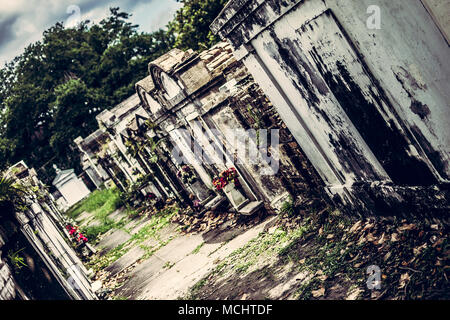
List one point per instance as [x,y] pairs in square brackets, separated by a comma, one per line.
[93,232]
[288,207]
[197,249]
[13,194]
[168,265]
[100,203]
[16,260]
[187,174]
[258,123]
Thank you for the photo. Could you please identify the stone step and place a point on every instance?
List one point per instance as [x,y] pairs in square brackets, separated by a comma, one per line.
[250,208]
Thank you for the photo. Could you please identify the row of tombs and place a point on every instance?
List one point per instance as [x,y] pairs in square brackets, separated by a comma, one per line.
[292,105]
[199,129]
[304,100]
[39,258]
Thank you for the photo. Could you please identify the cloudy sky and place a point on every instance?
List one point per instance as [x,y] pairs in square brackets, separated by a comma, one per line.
[23,21]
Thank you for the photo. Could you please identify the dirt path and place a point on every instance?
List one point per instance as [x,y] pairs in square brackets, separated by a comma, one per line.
[150,260]
[318,257]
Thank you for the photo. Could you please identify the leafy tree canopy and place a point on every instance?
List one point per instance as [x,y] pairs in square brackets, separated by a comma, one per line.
[191,23]
[51,93]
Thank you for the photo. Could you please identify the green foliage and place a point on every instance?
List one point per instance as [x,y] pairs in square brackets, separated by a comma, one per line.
[100,203]
[92,232]
[70,115]
[12,194]
[132,197]
[51,93]
[192,21]
[16,260]
[288,207]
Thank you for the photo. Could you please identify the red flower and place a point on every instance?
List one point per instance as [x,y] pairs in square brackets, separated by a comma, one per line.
[81,237]
[225,177]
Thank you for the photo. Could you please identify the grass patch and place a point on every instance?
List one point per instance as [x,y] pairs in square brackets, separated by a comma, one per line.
[295,236]
[100,203]
[196,288]
[93,232]
[196,250]
[156,223]
[264,245]
[168,265]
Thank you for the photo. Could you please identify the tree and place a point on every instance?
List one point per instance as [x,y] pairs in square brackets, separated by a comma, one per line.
[72,111]
[51,93]
[191,23]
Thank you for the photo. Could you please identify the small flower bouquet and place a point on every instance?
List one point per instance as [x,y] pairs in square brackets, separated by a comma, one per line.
[73,231]
[186,174]
[225,177]
[81,238]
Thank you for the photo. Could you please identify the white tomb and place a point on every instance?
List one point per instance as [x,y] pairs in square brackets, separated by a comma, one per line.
[70,186]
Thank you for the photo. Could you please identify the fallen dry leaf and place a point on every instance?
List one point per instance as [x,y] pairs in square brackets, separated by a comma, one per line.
[355,227]
[362,240]
[382,239]
[405,227]
[368,226]
[353,294]
[437,243]
[404,279]
[323,278]
[419,249]
[318,293]
[394,237]
[371,237]
[375,294]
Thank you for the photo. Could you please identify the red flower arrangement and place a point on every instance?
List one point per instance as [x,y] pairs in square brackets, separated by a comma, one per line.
[81,237]
[225,177]
[73,231]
